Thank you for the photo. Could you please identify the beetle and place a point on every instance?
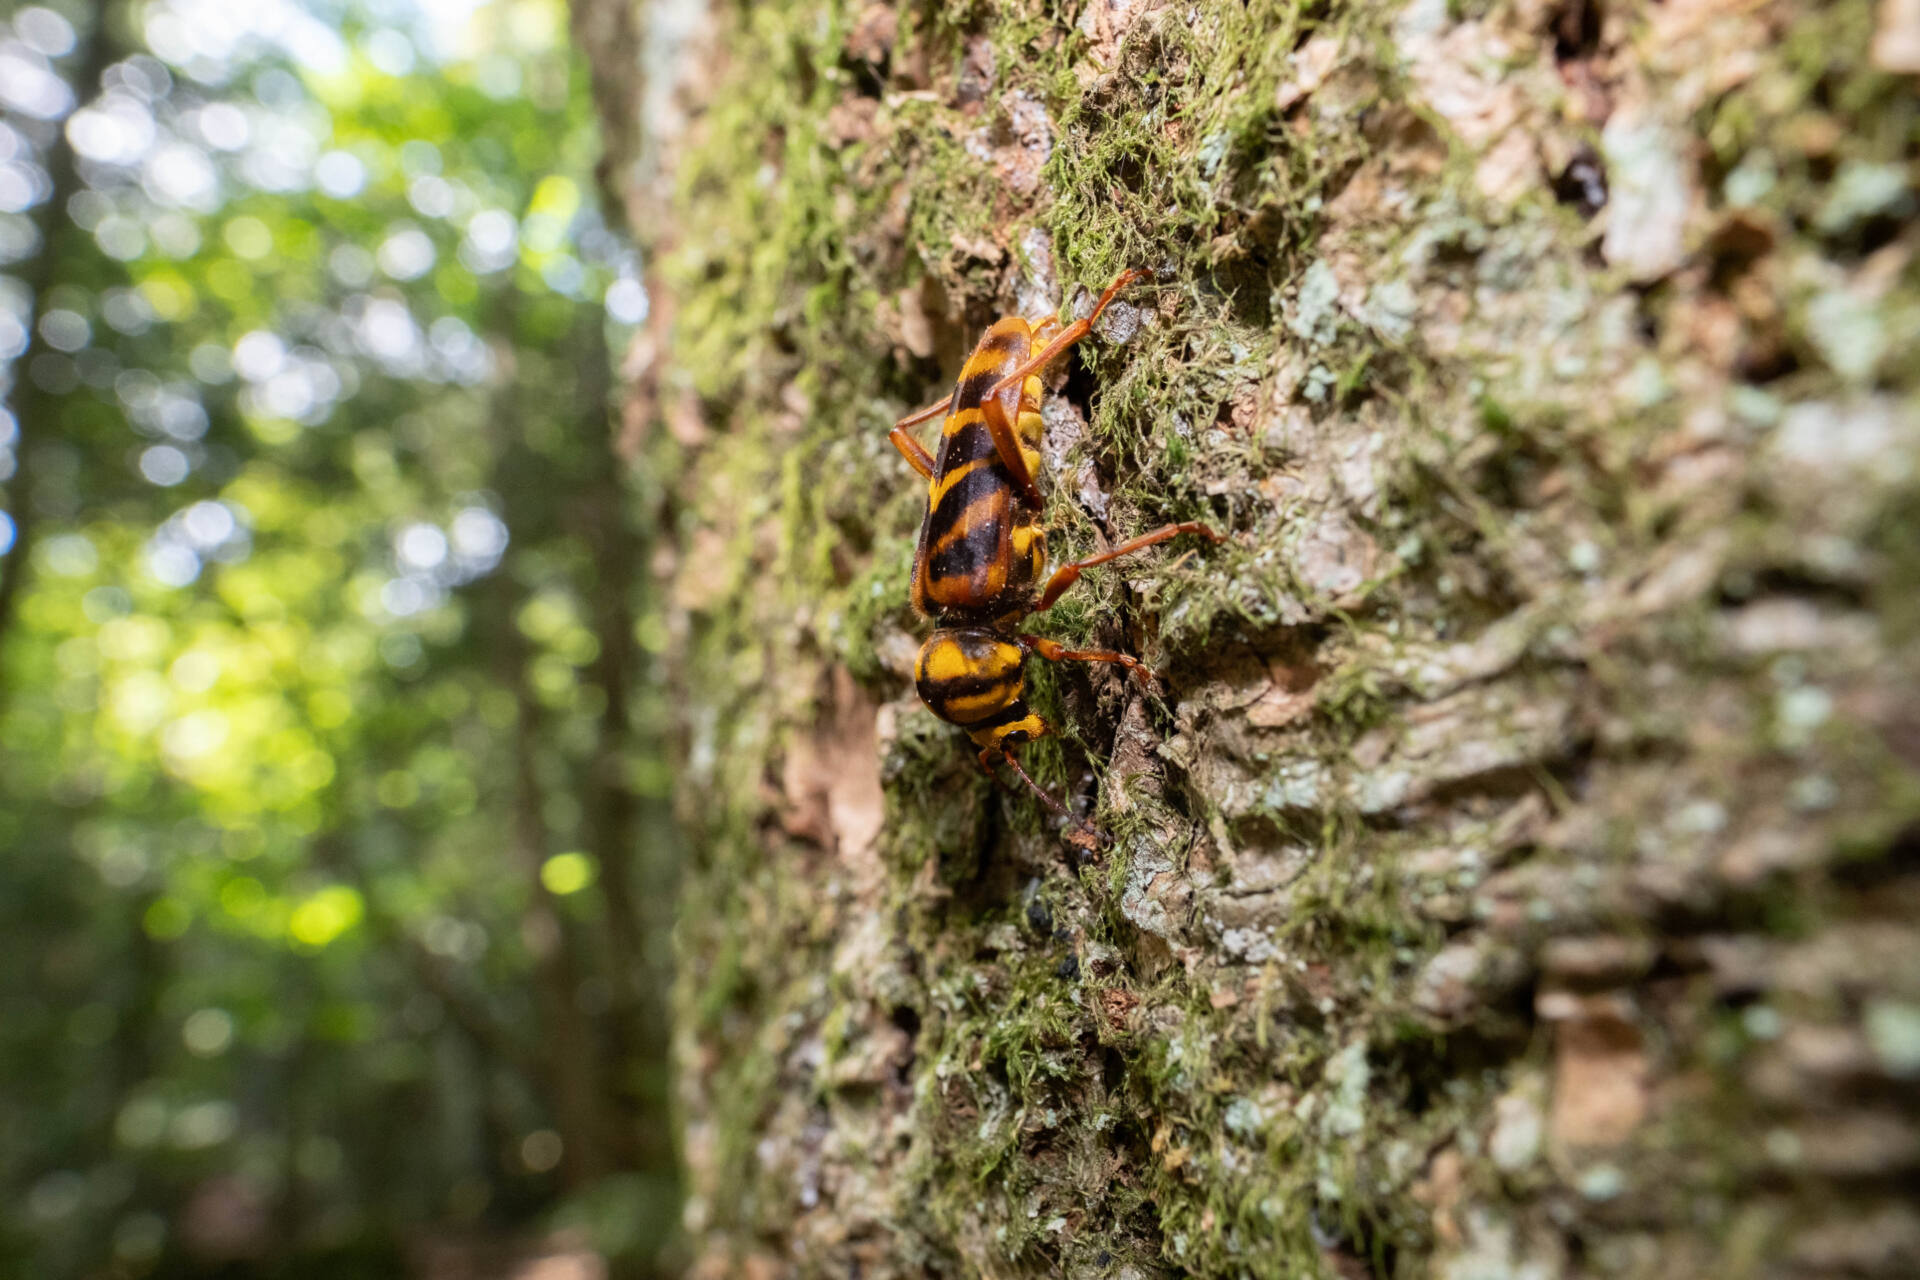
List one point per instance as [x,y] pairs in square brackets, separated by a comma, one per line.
[978,567]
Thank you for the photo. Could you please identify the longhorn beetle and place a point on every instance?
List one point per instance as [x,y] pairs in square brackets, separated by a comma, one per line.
[979,562]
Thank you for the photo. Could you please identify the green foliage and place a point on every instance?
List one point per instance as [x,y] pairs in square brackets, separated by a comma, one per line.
[317,841]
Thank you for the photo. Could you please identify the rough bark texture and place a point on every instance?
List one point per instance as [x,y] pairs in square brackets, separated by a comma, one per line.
[1518,874]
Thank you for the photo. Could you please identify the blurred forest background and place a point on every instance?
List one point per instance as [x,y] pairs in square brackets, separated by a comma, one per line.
[332,858]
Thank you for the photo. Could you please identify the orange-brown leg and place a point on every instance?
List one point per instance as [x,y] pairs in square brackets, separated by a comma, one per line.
[993,410]
[1067,336]
[912,450]
[1068,574]
[1053,652]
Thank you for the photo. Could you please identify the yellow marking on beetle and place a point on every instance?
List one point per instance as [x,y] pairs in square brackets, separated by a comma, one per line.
[968,707]
[964,521]
[991,355]
[967,590]
[941,661]
[941,485]
[1030,544]
[1033,726]
[944,662]
[1001,663]
[967,587]
[1006,666]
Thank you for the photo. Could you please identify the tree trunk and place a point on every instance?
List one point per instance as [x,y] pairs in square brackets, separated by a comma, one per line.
[1513,872]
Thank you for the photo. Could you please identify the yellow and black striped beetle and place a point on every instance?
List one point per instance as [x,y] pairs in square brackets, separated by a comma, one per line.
[979,562]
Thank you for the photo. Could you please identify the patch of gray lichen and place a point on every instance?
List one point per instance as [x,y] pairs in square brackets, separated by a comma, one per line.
[1515,873]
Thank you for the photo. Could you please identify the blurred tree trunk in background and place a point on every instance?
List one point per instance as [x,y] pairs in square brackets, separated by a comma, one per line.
[1518,875]
[30,404]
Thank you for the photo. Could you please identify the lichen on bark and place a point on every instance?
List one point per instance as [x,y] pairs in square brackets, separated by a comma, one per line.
[1514,873]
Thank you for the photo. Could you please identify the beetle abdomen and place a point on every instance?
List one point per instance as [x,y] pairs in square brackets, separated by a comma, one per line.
[961,566]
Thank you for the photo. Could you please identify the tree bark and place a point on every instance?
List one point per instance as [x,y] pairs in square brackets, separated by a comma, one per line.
[1514,871]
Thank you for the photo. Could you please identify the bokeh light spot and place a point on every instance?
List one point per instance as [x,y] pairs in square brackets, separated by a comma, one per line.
[325,915]
[166,918]
[207,1033]
[541,1150]
[566,873]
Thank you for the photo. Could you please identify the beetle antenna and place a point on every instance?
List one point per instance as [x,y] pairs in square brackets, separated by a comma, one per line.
[1034,787]
[1085,828]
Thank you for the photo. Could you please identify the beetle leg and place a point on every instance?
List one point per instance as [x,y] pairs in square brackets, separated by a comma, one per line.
[912,450]
[986,761]
[1053,652]
[927,414]
[1067,336]
[990,756]
[993,411]
[1068,574]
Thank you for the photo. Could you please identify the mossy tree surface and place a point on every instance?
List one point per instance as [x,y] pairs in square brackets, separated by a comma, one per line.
[1514,873]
